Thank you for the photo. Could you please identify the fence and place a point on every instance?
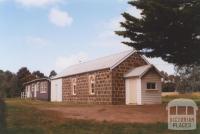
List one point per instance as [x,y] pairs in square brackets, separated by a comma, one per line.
[24,95]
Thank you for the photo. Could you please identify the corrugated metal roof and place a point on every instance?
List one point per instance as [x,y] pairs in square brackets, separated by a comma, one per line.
[141,71]
[98,64]
[37,80]
[138,71]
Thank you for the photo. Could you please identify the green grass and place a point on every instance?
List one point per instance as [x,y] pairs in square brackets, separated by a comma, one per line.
[193,96]
[24,118]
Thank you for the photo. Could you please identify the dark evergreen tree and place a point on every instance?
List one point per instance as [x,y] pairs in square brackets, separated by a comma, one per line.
[169,29]
[3,115]
[23,76]
[8,84]
[11,84]
[38,74]
[52,73]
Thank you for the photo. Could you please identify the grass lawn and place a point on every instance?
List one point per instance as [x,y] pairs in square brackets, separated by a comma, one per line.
[24,117]
[193,96]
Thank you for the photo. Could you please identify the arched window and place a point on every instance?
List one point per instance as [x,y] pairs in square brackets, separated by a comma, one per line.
[74,89]
[92,84]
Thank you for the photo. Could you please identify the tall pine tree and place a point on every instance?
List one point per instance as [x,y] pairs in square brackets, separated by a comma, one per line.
[169,29]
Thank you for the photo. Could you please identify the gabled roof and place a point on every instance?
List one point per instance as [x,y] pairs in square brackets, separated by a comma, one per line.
[141,71]
[108,62]
[37,80]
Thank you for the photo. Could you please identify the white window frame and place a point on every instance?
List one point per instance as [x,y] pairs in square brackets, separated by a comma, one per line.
[37,86]
[151,83]
[74,86]
[32,87]
[43,87]
[91,81]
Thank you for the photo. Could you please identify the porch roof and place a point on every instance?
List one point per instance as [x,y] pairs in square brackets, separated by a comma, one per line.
[141,71]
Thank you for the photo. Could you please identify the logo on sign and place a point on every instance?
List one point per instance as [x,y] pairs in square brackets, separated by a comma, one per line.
[182,114]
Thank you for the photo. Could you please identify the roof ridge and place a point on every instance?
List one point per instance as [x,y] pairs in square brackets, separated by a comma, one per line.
[96,64]
[37,79]
[131,50]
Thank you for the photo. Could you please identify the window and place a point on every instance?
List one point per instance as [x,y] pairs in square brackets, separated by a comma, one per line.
[151,85]
[26,89]
[32,87]
[74,88]
[92,84]
[43,87]
[37,86]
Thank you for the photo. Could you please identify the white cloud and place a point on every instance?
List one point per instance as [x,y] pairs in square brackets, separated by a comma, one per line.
[134,11]
[107,38]
[36,41]
[62,62]
[114,23]
[60,18]
[110,43]
[37,3]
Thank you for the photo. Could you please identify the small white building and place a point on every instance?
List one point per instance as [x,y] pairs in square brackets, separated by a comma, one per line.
[37,89]
[143,85]
[56,90]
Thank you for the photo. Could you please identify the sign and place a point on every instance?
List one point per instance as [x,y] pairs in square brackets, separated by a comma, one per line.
[182,114]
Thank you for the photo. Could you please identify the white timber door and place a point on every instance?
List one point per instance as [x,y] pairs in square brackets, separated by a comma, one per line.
[131,91]
[56,90]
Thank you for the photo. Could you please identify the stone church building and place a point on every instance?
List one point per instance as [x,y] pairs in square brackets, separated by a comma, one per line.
[123,78]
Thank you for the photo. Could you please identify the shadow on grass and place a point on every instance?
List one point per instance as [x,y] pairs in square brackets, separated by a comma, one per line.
[2,116]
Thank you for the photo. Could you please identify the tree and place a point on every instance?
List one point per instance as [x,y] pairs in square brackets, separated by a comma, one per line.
[2,83]
[12,84]
[168,87]
[38,74]
[189,78]
[23,73]
[8,84]
[169,29]
[168,82]
[52,73]
[2,116]
[23,76]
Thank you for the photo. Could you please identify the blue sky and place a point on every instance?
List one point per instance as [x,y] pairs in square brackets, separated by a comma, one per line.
[50,35]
